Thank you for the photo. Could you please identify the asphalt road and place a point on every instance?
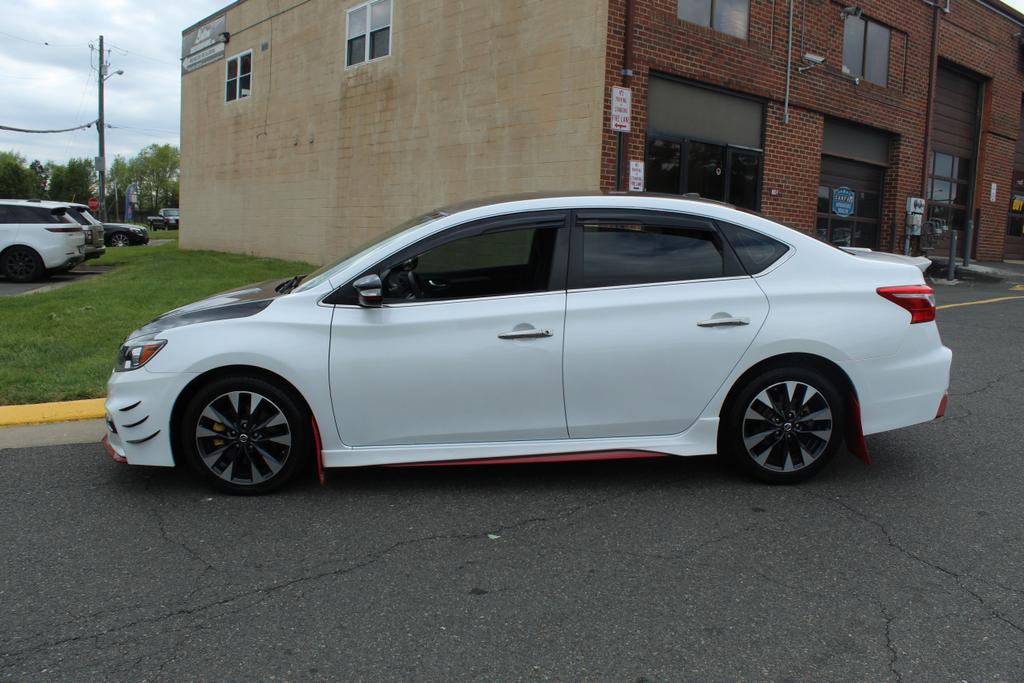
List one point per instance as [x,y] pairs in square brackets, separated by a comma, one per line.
[81,272]
[907,570]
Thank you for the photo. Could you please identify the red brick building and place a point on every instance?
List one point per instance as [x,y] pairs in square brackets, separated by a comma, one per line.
[887,100]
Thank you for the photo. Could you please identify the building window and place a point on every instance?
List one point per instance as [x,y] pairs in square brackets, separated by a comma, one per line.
[948,190]
[369,32]
[866,50]
[239,77]
[726,16]
[722,172]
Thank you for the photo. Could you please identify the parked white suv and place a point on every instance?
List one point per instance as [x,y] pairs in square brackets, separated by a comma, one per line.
[37,237]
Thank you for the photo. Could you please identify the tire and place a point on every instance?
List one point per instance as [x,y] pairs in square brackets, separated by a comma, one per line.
[239,454]
[119,239]
[784,425]
[22,264]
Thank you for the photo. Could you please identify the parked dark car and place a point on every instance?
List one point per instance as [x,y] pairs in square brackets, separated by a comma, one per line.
[124,235]
[167,219]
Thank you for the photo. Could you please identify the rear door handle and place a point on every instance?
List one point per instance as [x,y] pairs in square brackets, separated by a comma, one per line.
[724,322]
[525,334]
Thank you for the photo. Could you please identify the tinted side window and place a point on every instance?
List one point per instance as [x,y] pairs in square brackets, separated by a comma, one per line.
[630,253]
[7,214]
[755,251]
[79,218]
[503,262]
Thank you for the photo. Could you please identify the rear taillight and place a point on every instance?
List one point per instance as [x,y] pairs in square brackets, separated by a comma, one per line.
[919,300]
[68,229]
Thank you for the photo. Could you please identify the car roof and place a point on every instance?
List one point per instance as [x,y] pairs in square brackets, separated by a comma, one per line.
[38,202]
[569,197]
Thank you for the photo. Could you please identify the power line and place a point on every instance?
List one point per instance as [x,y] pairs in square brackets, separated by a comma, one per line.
[60,130]
[139,54]
[39,42]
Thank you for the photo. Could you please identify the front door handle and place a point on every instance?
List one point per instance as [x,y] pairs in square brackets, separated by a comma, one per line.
[530,333]
[724,322]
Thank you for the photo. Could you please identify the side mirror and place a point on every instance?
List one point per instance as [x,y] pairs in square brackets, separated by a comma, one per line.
[370,291]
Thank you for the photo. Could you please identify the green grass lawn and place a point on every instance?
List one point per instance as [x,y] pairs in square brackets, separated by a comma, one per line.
[60,345]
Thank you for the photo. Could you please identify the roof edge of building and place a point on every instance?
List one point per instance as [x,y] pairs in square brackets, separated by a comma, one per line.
[1001,7]
[213,15]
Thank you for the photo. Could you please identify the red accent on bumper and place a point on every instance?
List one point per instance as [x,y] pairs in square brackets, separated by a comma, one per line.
[319,453]
[855,435]
[533,459]
[942,406]
[111,452]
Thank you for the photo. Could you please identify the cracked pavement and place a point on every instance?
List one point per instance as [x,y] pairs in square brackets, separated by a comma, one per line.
[908,570]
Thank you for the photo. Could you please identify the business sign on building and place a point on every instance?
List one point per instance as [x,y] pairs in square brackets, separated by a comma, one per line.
[843,199]
[204,45]
[622,105]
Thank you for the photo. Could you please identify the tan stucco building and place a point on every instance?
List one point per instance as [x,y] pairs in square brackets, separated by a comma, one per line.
[318,150]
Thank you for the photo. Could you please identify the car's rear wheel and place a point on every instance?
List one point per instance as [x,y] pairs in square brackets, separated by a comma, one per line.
[22,264]
[119,239]
[784,425]
[245,434]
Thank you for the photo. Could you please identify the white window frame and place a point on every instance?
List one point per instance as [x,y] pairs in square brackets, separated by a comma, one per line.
[238,77]
[369,30]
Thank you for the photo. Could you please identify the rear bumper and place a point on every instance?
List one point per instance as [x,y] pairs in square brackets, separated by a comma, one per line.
[903,389]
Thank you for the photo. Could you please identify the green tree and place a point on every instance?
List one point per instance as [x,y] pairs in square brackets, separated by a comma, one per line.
[71,182]
[156,169]
[16,180]
[40,178]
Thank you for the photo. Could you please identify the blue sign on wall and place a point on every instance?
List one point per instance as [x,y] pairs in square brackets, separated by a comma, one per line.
[842,201]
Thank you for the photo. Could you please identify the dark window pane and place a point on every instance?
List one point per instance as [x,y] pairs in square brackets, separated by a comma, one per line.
[6,215]
[743,177]
[865,235]
[629,254]
[942,165]
[695,11]
[1014,227]
[492,264]
[821,229]
[842,233]
[663,166]
[380,43]
[357,50]
[939,212]
[706,166]
[941,190]
[230,92]
[245,64]
[876,61]
[958,219]
[245,86]
[755,251]
[824,194]
[868,205]
[853,46]
[233,68]
[962,169]
[732,17]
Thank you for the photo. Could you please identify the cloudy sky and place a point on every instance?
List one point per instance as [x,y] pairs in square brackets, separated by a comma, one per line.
[46,80]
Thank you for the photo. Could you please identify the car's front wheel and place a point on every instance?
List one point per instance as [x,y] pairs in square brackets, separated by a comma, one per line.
[784,425]
[244,434]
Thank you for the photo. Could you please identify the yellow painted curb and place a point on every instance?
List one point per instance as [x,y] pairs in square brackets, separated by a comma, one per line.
[40,413]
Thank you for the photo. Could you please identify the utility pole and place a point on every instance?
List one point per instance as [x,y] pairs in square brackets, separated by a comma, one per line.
[101,166]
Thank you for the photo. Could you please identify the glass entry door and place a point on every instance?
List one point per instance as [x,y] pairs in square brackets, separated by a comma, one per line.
[722,172]
[849,203]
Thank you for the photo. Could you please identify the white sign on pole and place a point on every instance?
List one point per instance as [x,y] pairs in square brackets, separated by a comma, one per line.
[636,176]
[622,105]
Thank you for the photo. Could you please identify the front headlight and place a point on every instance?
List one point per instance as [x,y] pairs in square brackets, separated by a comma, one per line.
[134,354]
[138,231]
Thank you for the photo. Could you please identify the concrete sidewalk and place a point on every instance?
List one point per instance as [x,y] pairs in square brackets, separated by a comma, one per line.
[989,271]
[54,434]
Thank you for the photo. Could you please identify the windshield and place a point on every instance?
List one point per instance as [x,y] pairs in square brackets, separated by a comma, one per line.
[327,272]
[171,212]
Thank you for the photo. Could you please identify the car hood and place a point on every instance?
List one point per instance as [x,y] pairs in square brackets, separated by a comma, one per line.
[236,303]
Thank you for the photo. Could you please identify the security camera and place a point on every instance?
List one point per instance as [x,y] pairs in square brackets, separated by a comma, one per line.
[852,12]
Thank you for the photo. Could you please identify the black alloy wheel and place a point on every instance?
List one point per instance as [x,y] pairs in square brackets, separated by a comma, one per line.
[22,264]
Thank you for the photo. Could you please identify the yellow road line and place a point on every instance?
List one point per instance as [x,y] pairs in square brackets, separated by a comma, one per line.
[39,413]
[977,303]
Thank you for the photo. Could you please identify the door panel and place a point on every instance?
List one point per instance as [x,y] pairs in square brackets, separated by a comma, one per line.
[439,373]
[638,364]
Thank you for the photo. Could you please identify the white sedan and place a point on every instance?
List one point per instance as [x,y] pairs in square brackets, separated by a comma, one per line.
[540,328]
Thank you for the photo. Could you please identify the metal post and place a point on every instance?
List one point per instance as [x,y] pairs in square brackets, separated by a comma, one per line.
[100,126]
[968,242]
[951,271]
[619,152]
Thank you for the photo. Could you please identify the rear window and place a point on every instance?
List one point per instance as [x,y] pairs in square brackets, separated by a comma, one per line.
[756,251]
[14,213]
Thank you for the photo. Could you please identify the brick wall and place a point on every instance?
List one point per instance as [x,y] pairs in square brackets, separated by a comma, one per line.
[971,36]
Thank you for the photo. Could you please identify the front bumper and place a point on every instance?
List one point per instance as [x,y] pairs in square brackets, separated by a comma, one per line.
[138,406]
